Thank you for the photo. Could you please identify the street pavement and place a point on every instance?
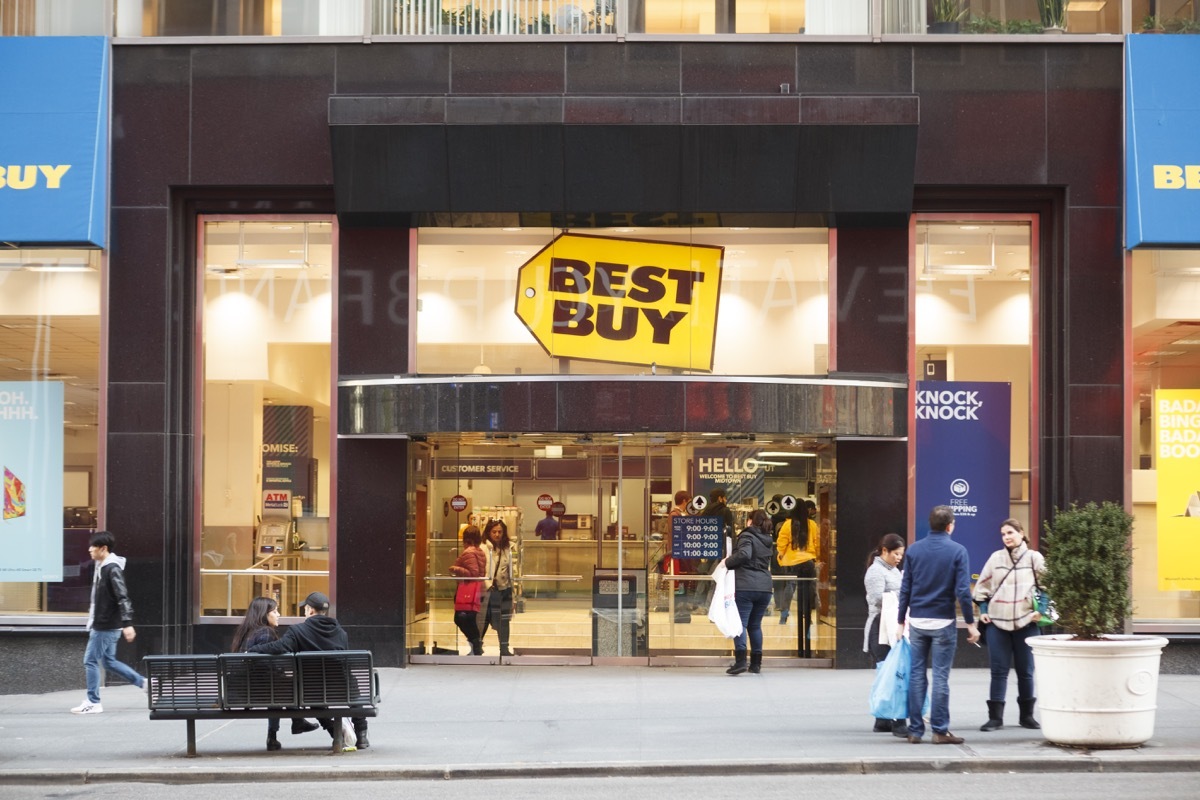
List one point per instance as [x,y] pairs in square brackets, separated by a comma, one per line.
[529,721]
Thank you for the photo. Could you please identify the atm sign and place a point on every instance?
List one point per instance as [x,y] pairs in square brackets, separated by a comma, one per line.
[623,301]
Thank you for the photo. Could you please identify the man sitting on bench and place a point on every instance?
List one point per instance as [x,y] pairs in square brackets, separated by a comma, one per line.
[318,631]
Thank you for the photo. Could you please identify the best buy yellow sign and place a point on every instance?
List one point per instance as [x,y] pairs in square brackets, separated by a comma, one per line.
[623,301]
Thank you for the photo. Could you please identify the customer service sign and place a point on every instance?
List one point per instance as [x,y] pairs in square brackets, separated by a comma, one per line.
[1162,117]
[623,301]
[31,455]
[53,140]
[1177,463]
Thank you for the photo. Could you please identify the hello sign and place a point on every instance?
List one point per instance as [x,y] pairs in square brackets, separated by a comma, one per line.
[623,301]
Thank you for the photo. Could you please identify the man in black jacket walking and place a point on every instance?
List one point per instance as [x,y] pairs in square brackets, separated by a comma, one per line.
[110,616]
[318,631]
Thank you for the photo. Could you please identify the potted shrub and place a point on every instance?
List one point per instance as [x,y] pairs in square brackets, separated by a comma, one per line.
[1096,687]
[946,16]
[1054,15]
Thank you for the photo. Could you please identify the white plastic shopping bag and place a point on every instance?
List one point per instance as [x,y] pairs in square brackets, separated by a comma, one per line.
[723,610]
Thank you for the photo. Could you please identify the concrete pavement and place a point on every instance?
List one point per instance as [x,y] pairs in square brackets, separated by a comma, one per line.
[507,721]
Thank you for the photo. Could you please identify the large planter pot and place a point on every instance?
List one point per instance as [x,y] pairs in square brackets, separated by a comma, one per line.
[1097,693]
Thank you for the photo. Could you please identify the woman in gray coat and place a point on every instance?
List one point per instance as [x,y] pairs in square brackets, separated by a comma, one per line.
[751,562]
[883,576]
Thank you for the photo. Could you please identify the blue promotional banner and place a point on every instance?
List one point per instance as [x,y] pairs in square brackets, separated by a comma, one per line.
[31,455]
[963,431]
[1162,150]
[53,140]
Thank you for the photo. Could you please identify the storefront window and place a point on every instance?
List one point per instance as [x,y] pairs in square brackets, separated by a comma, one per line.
[773,287]
[974,325]
[53,18]
[1165,438]
[49,435]
[267,377]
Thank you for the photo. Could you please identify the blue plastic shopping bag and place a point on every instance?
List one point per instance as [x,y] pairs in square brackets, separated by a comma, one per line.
[889,692]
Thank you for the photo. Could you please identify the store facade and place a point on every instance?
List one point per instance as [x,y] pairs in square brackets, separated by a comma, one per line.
[330,237]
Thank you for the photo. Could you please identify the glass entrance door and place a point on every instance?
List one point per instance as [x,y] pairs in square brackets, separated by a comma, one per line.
[588,520]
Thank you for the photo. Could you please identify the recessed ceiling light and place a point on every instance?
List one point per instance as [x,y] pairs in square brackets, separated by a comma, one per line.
[282,227]
[511,230]
[968,227]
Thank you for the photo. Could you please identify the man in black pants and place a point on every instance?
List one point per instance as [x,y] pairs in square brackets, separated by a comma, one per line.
[318,631]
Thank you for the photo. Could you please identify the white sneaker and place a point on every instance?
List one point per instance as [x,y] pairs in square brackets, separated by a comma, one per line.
[88,708]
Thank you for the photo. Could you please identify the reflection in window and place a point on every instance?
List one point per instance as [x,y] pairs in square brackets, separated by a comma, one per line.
[1166,356]
[973,318]
[49,399]
[267,322]
[52,18]
[774,288]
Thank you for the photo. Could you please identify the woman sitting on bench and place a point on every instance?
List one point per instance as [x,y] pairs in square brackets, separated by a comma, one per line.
[259,627]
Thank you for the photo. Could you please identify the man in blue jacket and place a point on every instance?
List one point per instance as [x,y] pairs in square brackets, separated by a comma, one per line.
[936,573]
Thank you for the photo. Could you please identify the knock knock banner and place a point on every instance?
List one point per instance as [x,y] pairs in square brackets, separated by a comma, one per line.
[963,431]
[623,301]
[1177,459]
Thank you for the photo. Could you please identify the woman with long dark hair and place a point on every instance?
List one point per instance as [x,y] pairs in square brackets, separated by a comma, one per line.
[499,576]
[259,626]
[883,576]
[1004,594]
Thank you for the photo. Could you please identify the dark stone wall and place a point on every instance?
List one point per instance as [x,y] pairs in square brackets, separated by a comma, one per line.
[243,128]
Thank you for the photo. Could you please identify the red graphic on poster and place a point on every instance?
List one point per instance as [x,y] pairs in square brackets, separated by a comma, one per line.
[14,495]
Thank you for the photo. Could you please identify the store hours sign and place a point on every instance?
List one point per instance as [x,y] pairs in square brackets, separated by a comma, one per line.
[696,537]
[623,301]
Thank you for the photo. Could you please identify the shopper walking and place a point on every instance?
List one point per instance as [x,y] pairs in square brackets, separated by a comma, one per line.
[936,574]
[751,564]
[471,566]
[1005,592]
[497,606]
[110,616]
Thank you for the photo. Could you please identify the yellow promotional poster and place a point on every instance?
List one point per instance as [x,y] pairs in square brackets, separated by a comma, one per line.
[624,301]
[1177,457]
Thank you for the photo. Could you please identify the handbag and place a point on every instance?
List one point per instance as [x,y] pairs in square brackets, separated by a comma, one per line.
[467,595]
[1042,604]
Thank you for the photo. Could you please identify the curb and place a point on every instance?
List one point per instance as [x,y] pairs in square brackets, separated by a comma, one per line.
[291,773]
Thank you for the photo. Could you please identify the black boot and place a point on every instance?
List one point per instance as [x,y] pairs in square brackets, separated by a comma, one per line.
[882,726]
[360,732]
[900,727]
[504,651]
[739,663]
[303,726]
[477,648]
[273,743]
[1026,720]
[995,716]
[756,661]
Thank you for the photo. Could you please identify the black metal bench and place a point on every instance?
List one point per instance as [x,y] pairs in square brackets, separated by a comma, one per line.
[324,685]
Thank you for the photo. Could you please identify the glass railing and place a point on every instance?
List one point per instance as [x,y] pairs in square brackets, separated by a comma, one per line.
[605,18]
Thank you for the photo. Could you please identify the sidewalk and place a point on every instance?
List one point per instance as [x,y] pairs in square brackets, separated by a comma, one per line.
[448,722]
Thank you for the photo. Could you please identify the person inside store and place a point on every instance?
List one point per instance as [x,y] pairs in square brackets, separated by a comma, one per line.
[883,578]
[1004,594]
[318,631]
[547,527]
[259,626]
[471,566]
[798,546]
[751,564]
[496,607]
[717,507]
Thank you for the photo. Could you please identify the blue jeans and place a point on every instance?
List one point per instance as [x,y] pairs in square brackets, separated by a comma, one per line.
[751,606]
[1007,648]
[931,648]
[102,652]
